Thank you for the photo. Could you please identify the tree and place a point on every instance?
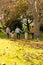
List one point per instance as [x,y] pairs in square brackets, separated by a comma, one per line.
[19,8]
[37,15]
[13,9]
[36,7]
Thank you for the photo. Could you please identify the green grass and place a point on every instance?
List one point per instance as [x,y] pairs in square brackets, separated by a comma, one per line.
[3,35]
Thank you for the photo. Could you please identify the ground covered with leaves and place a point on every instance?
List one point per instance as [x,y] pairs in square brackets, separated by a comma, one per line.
[21,52]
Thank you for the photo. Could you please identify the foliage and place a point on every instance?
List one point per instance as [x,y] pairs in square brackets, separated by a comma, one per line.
[12,10]
[20,8]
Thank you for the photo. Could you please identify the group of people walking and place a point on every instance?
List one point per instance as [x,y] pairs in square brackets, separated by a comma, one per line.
[18,31]
[11,34]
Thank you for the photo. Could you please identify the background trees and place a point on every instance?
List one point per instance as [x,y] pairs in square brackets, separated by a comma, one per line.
[12,10]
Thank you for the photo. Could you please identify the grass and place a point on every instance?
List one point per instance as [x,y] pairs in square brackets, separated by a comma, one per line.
[3,35]
[19,52]
[12,53]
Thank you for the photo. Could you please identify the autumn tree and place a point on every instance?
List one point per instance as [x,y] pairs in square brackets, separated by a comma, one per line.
[37,8]
[13,9]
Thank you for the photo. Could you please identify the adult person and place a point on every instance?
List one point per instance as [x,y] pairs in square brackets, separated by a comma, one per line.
[26,33]
[32,30]
[17,31]
[8,32]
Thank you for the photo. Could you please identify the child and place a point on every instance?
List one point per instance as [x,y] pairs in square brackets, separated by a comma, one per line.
[12,35]
[37,36]
[8,32]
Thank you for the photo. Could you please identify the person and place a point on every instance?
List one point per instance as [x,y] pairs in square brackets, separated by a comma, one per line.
[12,35]
[32,30]
[8,32]
[37,35]
[26,33]
[17,31]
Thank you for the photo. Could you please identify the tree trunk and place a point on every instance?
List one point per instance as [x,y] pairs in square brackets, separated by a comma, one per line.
[37,27]
[36,18]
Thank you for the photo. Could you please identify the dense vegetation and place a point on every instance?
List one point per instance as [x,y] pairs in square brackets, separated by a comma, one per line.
[13,10]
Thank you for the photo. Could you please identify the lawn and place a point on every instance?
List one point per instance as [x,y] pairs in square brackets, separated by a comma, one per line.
[20,52]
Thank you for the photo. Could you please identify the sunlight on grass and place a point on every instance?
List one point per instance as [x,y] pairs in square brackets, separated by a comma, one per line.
[15,53]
